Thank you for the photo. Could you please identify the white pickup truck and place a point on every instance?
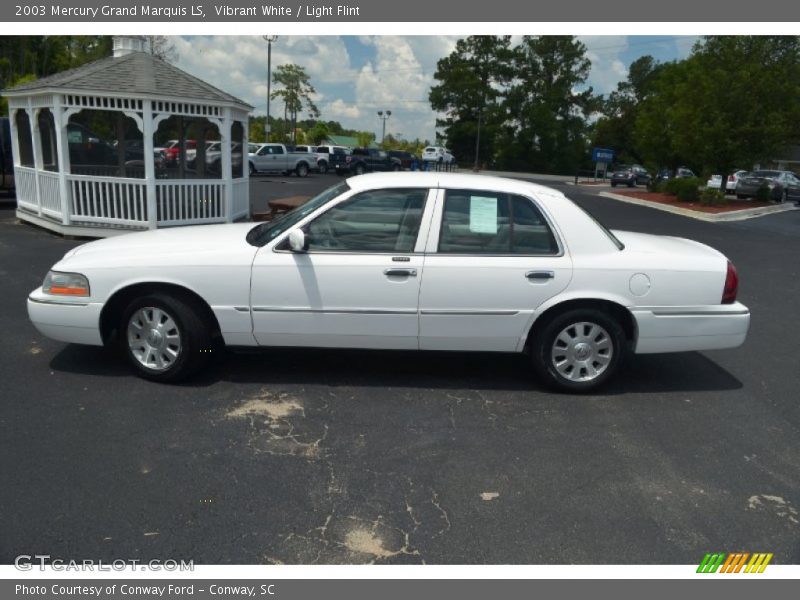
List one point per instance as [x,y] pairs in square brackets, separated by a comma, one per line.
[277,158]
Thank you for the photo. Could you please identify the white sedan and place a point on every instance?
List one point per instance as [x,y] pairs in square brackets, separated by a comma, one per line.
[730,187]
[413,261]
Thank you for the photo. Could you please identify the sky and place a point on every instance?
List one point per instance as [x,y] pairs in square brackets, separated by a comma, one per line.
[356,76]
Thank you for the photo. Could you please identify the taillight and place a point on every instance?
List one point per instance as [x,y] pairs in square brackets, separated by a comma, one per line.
[731,285]
[731,178]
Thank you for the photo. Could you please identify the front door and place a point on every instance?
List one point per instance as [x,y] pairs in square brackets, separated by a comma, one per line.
[492,258]
[356,286]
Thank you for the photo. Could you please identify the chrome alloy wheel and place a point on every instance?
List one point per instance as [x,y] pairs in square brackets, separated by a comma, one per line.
[582,351]
[154,338]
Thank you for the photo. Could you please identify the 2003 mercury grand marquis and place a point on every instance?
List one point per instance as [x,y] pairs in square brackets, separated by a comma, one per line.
[426,261]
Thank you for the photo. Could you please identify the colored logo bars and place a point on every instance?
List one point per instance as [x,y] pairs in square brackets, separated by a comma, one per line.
[734,562]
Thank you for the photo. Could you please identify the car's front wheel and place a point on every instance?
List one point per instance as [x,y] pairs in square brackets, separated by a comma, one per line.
[252,169]
[323,167]
[164,337]
[360,169]
[578,350]
[301,170]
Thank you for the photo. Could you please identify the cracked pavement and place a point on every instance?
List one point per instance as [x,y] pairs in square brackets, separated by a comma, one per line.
[330,456]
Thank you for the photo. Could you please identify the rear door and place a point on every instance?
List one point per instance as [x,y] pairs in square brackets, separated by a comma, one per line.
[491,259]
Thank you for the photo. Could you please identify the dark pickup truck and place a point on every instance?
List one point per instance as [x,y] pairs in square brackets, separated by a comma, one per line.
[364,160]
[6,161]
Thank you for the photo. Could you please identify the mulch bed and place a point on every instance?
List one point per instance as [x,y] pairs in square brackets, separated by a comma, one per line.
[732,206]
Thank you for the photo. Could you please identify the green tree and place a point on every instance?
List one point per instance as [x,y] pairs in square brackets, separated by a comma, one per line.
[615,128]
[295,92]
[365,138]
[471,85]
[549,104]
[756,117]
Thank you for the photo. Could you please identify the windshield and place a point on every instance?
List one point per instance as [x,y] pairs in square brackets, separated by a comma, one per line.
[264,233]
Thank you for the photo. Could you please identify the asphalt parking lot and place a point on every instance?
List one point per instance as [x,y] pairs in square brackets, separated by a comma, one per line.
[329,456]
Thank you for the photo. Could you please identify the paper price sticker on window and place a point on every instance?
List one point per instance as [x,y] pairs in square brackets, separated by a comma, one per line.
[482,214]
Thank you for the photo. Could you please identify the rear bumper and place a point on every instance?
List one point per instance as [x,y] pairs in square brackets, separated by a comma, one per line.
[69,320]
[686,328]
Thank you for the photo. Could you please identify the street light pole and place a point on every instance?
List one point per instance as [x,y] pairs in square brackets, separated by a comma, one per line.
[383,116]
[269,39]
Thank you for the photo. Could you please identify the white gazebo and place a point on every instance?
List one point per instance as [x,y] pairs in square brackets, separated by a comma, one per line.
[128,142]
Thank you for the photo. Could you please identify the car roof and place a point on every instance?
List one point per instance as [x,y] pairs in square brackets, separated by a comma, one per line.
[449,180]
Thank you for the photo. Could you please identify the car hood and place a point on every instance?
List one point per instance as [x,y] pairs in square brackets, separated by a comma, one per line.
[671,248]
[171,246]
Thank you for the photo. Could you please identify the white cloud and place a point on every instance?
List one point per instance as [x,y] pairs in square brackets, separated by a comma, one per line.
[608,69]
[238,64]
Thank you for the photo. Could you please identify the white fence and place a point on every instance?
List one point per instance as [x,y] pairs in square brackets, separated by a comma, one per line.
[50,193]
[108,200]
[184,202]
[25,184]
[122,202]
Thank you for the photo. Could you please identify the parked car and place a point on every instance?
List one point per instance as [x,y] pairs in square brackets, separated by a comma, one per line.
[679,173]
[507,266]
[277,158]
[715,182]
[630,175]
[438,154]
[321,157]
[364,160]
[324,152]
[783,186]
[406,158]
[172,151]
[6,158]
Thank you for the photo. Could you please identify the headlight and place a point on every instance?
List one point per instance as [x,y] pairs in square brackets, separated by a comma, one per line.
[65,284]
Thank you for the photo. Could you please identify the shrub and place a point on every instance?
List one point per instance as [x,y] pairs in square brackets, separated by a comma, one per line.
[711,197]
[764,194]
[688,190]
[671,186]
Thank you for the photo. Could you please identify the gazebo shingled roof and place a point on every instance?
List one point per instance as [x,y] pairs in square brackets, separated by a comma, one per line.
[135,73]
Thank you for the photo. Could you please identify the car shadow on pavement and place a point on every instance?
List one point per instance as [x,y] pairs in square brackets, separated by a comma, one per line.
[680,372]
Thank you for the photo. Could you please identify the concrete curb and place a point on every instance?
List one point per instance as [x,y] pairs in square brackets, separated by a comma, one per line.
[739,215]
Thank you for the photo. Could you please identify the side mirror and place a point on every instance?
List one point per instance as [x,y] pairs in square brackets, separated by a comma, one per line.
[297,240]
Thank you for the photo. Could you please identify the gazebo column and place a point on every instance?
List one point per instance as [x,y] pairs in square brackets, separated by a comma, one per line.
[148,129]
[61,119]
[227,163]
[33,122]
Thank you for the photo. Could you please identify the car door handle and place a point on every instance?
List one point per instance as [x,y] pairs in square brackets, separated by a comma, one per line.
[400,272]
[540,275]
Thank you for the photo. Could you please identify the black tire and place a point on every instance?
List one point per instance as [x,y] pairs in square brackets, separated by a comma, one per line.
[301,170]
[613,184]
[784,196]
[544,341]
[323,167]
[632,183]
[194,335]
[740,196]
[252,169]
[359,169]
[397,168]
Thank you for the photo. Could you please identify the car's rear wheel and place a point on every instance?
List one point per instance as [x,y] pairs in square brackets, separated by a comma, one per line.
[578,350]
[164,337]
[301,170]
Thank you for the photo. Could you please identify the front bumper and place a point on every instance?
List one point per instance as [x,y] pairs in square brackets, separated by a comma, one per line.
[73,320]
[687,328]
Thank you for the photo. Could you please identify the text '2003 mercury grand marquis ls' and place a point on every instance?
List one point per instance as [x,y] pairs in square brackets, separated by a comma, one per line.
[422,261]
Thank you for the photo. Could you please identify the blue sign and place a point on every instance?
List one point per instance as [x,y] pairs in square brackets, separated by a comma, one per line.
[603,155]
